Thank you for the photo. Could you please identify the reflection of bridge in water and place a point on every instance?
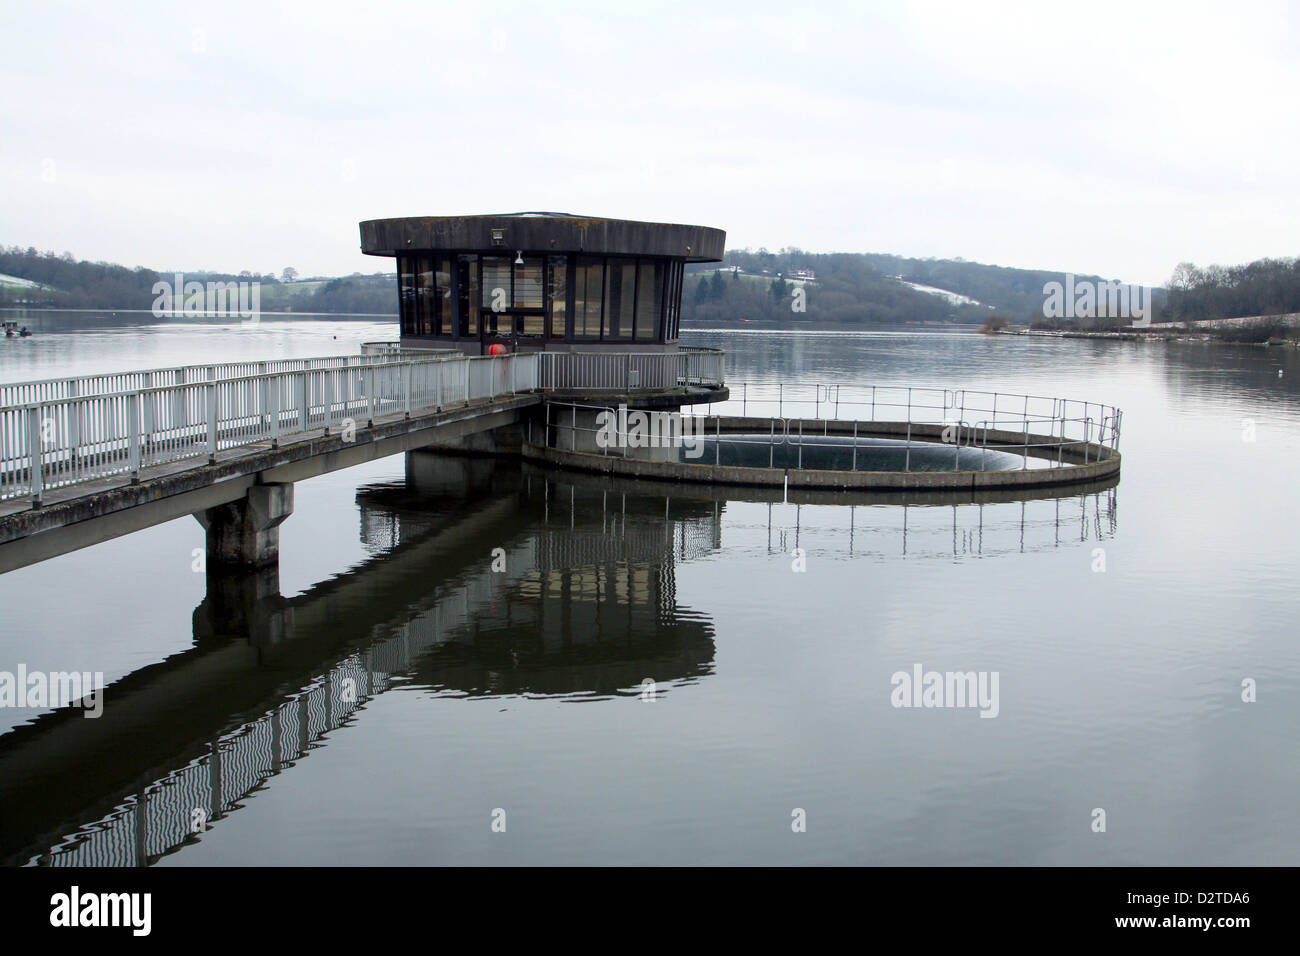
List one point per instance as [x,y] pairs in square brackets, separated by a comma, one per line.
[584,607]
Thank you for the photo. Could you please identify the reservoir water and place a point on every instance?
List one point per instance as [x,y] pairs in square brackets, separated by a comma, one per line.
[480,662]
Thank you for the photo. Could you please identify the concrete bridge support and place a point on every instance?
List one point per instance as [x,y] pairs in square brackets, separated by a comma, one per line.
[243,567]
[245,534]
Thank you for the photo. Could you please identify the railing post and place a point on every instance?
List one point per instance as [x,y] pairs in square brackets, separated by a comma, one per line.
[302,401]
[327,398]
[180,411]
[273,409]
[264,385]
[147,403]
[74,422]
[368,376]
[35,473]
[133,435]
[855,446]
[212,420]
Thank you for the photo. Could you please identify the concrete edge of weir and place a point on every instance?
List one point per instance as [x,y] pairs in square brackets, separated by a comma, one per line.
[1081,462]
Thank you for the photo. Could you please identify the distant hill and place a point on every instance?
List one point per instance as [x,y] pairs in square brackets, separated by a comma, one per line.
[790,288]
[63,281]
[861,289]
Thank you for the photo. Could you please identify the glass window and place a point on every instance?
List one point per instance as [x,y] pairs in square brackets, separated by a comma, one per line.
[588,282]
[469,302]
[496,283]
[442,315]
[620,298]
[406,293]
[558,295]
[528,284]
[672,312]
[649,298]
[426,302]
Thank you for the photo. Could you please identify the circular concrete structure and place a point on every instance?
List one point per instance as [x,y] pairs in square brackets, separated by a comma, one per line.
[1079,462]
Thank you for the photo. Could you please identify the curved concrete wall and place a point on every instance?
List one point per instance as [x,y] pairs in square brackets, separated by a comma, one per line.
[543,233]
[1101,462]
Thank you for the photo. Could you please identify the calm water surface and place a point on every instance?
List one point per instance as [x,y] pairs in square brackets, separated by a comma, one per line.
[400,694]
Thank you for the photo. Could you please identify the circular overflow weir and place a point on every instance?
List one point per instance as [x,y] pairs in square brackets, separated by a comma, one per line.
[840,437]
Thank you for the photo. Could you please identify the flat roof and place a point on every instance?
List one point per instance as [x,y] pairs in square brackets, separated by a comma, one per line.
[542,232]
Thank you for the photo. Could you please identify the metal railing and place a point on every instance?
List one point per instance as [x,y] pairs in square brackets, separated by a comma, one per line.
[1071,422]
[688,366]
[397,348]
[1032,427]
[48,390]
[631,371]
[70,440]
[60,432]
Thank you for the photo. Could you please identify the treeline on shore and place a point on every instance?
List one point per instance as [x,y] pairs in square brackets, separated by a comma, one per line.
[1263,287]
[754,286]
[65,282]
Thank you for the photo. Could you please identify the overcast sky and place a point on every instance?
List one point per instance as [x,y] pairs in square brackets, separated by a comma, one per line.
[1118,139]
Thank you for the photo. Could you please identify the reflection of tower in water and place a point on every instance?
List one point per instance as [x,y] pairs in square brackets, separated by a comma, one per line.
[583,605]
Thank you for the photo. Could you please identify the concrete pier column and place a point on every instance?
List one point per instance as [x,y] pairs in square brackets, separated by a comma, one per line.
[243,568]
[246,533]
